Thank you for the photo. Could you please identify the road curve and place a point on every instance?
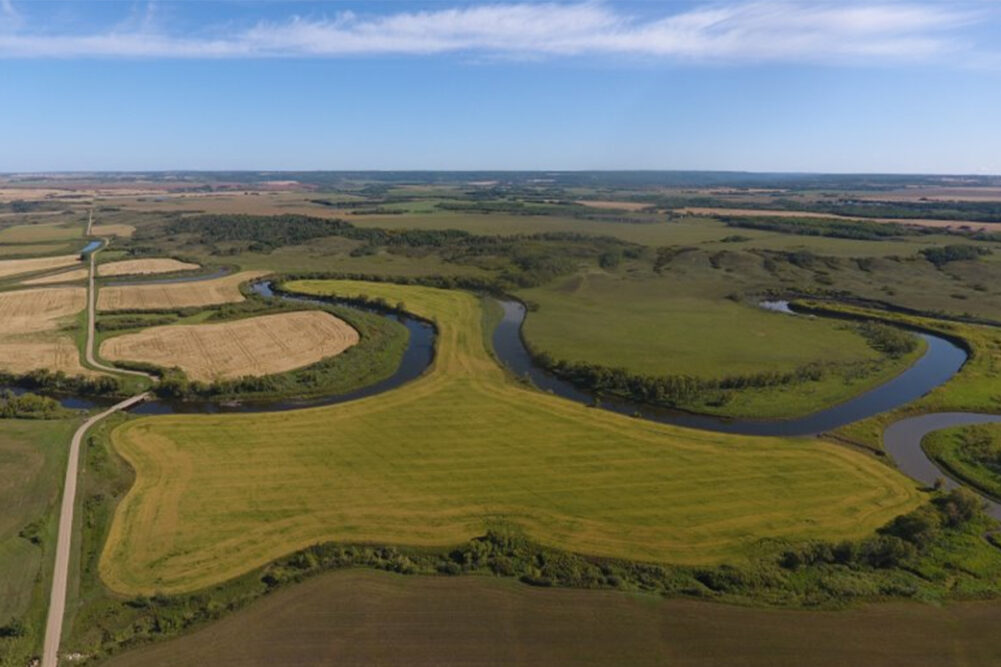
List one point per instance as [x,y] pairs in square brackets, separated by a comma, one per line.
[60,574]
[91,317]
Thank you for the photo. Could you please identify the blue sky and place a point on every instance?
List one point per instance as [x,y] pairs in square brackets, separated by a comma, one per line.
[763,86]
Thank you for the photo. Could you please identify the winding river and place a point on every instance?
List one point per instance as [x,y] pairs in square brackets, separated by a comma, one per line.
[902,440]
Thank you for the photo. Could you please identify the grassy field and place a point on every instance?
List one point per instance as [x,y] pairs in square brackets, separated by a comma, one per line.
[686,325]
[456,451]
[969,453]
[32,458]
[41,233]
[144,266]
[168,296]
[366,618]
[253,346]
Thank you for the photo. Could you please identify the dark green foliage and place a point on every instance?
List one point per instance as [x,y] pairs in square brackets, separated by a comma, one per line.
[942,255]
[28,406]
[132,321]
[59,382]
[13,628]
[891,341]
[840,229]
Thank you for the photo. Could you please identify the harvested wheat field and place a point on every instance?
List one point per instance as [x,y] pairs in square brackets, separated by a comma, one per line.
[175,295]
[63,277]
[57,354]
[112,229]
[29,324]
[129,267]
[13,267]
[254,346]
[36,310]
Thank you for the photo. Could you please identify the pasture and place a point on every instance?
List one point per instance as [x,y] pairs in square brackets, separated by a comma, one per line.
[456,451]
[144,266]
[41,232]
[364,618]
[32,458]
[172,296]
[685,324]
[253,346]
[15,267]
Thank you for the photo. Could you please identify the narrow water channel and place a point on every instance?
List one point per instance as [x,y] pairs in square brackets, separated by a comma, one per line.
[941,361]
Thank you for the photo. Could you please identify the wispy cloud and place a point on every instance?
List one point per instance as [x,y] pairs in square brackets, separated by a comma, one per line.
[770,30]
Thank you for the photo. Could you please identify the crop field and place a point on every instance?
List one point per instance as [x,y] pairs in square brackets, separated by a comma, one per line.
[389,619]
[41,233]
[112,229]
[31,468]
[175,295]
[29,329]
[73,275]
[37,310]
[144,266]
[14,267]
[460,449]
[253,346]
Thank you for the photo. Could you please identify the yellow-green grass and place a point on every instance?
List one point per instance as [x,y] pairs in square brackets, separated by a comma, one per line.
[462,448]
[32,459]
[41,233]
[969,453]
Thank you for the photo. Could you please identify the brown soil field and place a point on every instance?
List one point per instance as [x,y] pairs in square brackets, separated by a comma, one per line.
[63,277]
[615,205]
[14,267]
[29,323]
[112,230]
[175,295]
[698,210]
[372,618]
[37,310]
[253,346]
[144,266]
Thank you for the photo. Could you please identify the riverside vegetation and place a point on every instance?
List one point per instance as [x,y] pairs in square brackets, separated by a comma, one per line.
[577,497]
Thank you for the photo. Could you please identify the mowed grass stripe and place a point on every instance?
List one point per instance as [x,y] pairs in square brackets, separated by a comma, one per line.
[439,460]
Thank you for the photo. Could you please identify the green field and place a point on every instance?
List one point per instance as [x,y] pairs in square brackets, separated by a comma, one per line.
[32,461]
[365,618]
[41,232]
[464,447]
[686,325]
[972,454]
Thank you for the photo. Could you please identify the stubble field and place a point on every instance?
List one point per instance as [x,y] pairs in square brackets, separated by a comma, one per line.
[253,346]
[175,295]
[144,266]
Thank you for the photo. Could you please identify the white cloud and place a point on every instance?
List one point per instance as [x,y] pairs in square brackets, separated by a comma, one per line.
[770,30]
